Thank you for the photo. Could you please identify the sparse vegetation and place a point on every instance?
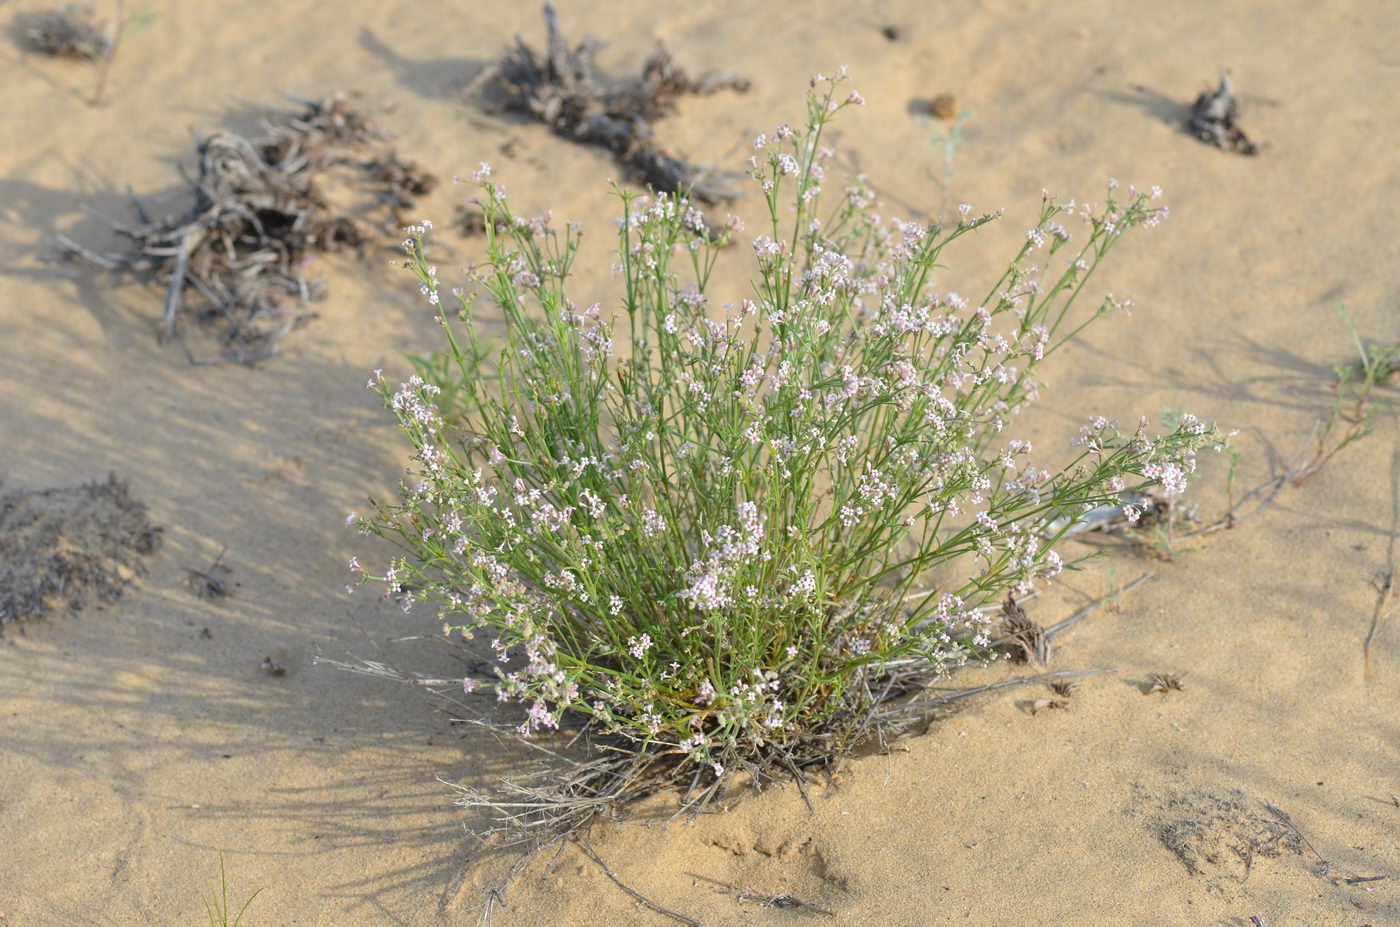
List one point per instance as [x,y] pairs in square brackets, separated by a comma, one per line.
[216,904]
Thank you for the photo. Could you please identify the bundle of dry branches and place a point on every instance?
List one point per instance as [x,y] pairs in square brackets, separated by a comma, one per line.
[562,89]
[259,213]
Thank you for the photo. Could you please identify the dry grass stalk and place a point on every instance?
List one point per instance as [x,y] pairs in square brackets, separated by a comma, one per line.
[211,583]
[561,88]
[1061,626]
[1387,590]
[641,899]
[765,899]
[259,213]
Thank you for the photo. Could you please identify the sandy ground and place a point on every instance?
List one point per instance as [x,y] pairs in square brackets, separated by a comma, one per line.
[134,746]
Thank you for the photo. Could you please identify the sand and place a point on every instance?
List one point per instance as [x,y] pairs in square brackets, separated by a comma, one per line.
[135,746]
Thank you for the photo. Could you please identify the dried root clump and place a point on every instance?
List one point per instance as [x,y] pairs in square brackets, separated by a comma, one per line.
[561,88]
[65,548]
[67,31]
[1213,118]
[1060,701]
[1021,639]
[1165,683]
[312,183]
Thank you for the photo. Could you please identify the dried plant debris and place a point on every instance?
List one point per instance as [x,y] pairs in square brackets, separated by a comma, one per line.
[561,89]
[1218,834]
[213,581]
[313,182]
[1164,683]
[764,899]
[1020,638]
[62,549]
[1213,119]
[68,31]
[1059,701]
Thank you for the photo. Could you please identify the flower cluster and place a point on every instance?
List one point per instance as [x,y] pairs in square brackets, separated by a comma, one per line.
[719,536]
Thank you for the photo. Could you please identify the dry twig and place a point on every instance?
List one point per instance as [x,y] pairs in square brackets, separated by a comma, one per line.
[766,899]
[1387,589]
[211,583]
[1287,819]
[104,67]
[1094,606]
[592,854]
[926,705]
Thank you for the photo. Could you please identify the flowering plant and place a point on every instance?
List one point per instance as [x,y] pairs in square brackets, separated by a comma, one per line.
[737,535]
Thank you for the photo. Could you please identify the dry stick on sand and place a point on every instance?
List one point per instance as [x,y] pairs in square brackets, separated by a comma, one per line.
[562,89]
[592,854]
[1287,819]
[1022,636]
[1296,474]
[1094,606]
[940,701]
[766,899]
[1387,590]
[105,68]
